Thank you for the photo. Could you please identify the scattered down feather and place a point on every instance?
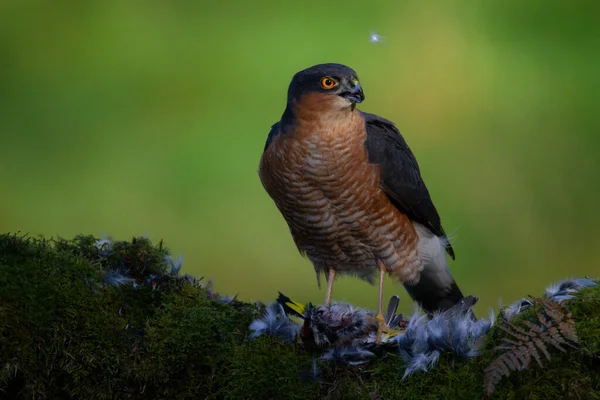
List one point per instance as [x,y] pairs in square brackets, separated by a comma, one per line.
[314,374]
[104,246]
[174,265]
[421,362]
[348,354]
[346,334]
[275,323]
[559,292]
[563,290]
[515,308]
[454,330]
[211,294]
[116,278]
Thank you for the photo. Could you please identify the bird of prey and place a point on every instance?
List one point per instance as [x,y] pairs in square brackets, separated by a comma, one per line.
[351,191]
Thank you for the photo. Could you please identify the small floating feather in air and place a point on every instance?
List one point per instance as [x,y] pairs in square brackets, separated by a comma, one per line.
[375,38]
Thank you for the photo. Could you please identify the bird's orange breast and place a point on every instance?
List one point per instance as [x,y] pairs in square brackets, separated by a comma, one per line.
[330,195]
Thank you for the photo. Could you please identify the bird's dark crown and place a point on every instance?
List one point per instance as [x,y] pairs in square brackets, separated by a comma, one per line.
[309,80]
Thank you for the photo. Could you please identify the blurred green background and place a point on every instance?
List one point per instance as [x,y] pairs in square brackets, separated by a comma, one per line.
[150,117]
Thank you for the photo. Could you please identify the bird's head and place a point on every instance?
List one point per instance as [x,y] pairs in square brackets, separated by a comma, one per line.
[330,85]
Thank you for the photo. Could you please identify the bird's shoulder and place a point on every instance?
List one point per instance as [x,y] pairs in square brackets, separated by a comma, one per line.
[385,145]
[274,132]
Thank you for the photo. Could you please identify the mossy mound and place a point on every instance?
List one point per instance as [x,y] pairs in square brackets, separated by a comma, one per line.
[78,320]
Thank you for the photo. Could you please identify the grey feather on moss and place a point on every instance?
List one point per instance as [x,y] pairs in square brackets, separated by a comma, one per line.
[515,308]
[454,330]
[275,322]
[421,362]
[559,291]
[564,290]
[116,278]
[314,374]
[104,246]
[174,265]
[213,295]
[348,354]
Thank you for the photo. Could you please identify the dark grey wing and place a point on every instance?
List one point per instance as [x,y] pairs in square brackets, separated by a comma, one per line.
[400,174]
[272,133]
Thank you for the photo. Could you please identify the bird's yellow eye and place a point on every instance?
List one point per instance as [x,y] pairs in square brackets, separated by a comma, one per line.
[328,83]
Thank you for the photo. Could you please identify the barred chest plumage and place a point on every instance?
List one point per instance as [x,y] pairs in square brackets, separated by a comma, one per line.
[330,196]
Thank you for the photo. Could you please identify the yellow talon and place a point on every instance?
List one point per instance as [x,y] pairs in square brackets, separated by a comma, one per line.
[382,327]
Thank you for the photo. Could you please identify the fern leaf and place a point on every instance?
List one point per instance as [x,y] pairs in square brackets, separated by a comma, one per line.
[539,343]
[524,357]
[553,326]
[494,373]
[555,339]
[532,350]
[514,360]
[514,331]
[567,329]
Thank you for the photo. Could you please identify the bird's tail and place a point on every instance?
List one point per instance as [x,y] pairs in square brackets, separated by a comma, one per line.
[436,290]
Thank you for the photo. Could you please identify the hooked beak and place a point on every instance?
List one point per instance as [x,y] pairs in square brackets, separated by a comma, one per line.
[355,94]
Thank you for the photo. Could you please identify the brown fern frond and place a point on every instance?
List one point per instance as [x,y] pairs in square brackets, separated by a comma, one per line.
[500,368]
[515,331]
[553,327]
[554,310]
[561,318]
[539,343]
[532,351]
[567,329]
[547,334]
[555,338]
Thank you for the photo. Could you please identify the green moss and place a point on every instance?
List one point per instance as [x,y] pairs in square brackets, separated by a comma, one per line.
[266,368]
[586,312]
[189,340]
[65,335]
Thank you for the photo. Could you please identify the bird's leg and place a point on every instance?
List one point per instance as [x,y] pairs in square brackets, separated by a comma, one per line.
[382,325]
[330,279]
